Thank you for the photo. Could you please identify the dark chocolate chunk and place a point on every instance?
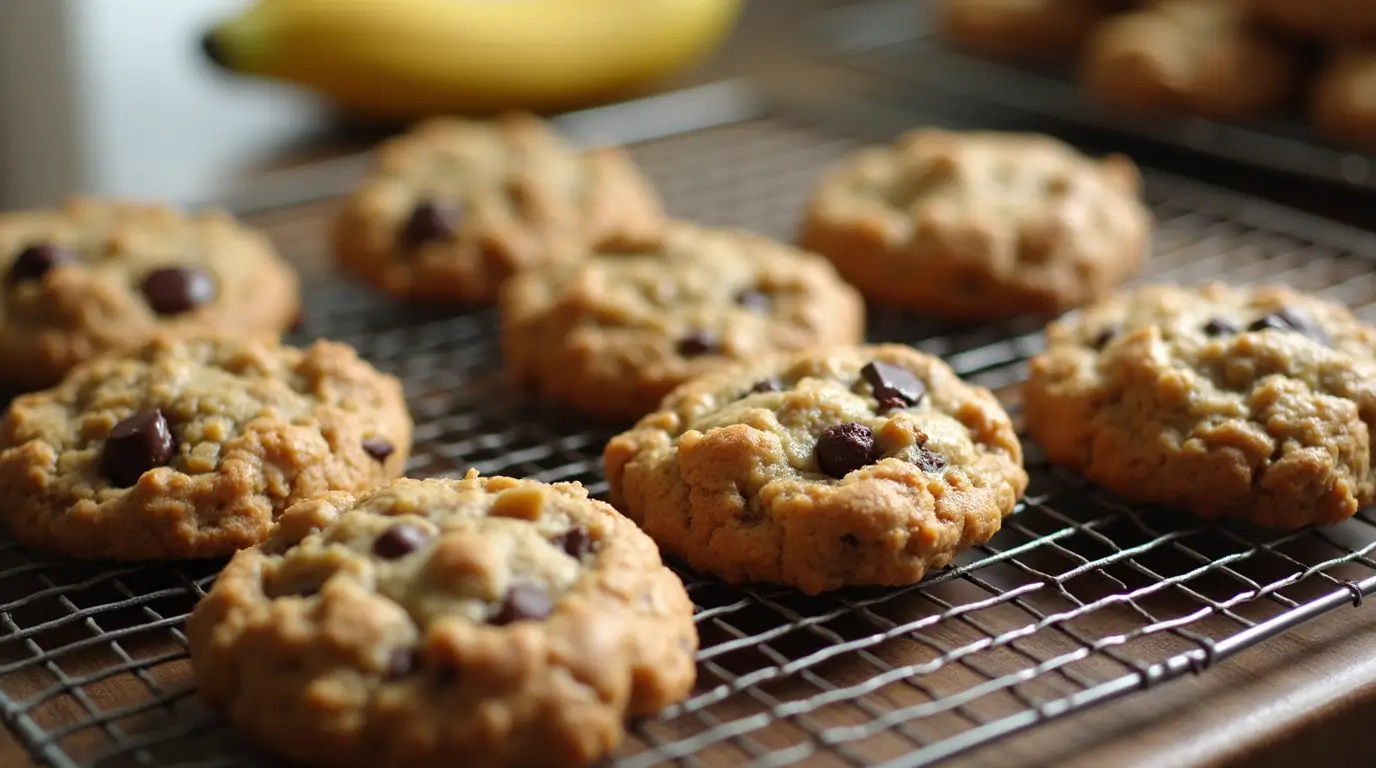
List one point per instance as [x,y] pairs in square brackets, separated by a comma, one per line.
[430,221]
[755,301]
[697,343]
[575,541]
[399,541]
[893,383]
[928,461]
[135,445]
[1103,337]
[844,448]
[1219,326]
[1293,320]
[173,290]
[524,601]
[35,261]
[378,448]
[766,385]
[403,662]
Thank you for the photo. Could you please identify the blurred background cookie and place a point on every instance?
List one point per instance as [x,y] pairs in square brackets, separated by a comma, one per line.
[1322,19]
[1343,100]
[1021,27]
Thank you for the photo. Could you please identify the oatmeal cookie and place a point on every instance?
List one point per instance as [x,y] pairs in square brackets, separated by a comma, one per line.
[979,225]
[1227,401]
[613,333]
[191,447]
[95,275]
[505,621]
[455,207]
[821,469]
[1194,56]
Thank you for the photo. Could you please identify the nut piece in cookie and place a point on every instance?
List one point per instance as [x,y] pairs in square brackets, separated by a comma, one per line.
[95,275]
[504,621]
[1343,102]
[979,225]
[612,332]
[821,469]
[187,447]
[1031,28]
[455,207]
[1226,401]
[1195,56]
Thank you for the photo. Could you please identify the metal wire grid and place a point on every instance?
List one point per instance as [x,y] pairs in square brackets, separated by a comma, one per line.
[1080,598]
[896,40]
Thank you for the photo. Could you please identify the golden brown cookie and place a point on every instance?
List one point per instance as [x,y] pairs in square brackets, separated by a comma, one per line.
[611,333]
[484,622]
[979,225]
[1343,102]
[455,207]
[1021,27]
[1244,402]
[191,447]
[95,274]
[1195,56]
[821,469]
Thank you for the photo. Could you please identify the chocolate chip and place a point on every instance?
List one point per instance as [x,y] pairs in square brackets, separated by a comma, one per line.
[399,541]
[755,301]
[1220,327]
[697,343]
[430,220]
[33,262]
[928,461]
[1293,320]
[891,382]
[173,290]
[1103,337]
[524,601]
[575,541]
[766,385]
[402,663]
[844,448]
[378,448]
[136,444]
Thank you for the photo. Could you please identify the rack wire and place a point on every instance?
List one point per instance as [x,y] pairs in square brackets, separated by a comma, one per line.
[1081,598]
[895,42]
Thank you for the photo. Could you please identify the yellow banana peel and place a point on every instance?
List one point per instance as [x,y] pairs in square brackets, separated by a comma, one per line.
[412,58]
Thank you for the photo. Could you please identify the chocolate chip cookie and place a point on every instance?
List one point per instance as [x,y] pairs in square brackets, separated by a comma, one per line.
[455,207]
[1227,401]
[821,469]
[1339,20]
[1020,27]
[94,275]
[1343,103]
[611,333]
[507,622]
[979,225]
[188,447]
[1196,56]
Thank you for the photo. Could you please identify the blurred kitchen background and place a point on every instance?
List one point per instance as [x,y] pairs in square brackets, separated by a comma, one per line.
[114,97]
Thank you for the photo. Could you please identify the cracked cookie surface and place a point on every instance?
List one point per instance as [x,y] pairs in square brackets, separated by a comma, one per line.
[507,621]
[821,469]
[972,225]
[453,208]
[95,275]
[189,447]
[615,332]
[1227,401]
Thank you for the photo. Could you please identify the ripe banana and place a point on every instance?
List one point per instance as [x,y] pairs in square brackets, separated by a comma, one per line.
[412,58]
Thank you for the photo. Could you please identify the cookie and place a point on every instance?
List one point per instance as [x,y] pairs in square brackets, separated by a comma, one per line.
[1024,28]
[979,225]
[1318,19]
[1343,102]
[455,207]
[821,469]
[95,275]
[505,621]
[611,333]
[1200,57]
[191,447]
[1227,401]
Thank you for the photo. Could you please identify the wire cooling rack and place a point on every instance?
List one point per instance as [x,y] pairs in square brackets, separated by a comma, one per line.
[1080,598]
[896,41]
